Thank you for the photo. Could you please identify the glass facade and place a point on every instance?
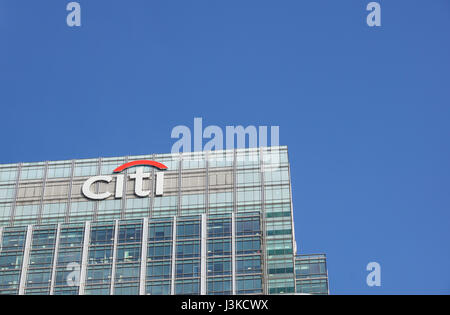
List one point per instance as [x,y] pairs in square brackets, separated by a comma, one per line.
[311,274]
[223,225]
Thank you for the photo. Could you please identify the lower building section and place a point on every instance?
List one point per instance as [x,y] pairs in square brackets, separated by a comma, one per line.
[311,274]
[202,254]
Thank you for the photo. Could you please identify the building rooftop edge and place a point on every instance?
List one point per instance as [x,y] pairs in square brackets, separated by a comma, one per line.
[142,155]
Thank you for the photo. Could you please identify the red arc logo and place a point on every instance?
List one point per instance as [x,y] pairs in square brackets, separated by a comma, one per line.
[140,162]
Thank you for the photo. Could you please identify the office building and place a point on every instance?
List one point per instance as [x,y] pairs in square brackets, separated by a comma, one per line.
[216,222]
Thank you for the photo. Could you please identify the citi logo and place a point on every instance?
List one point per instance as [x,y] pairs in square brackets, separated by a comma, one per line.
[138,178]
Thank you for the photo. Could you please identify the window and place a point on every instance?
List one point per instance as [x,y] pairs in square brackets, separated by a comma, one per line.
[279,228]
[138,203]
[193,201]
[189,286]
[281,266]
[102,235]
[59,169]
[158,288]
[279,246]
[248,178]
[71,237]
[276,156]
[44,238]
[248,245]
[54,210]
[165,203]
[159,251]
[126,289]
[41,259]
[130,233]
[280,286]
[99,275]
[86,168]
[277,194]
[26,211]
[127,273]
[248,196]
[249,284]
[10,261]
[7,192]
[318,286]
[5,213]
[38,278]
[248,264]
[160,231]
[219,247]
[247,159]
[193,161]
[14,240]
[219,266]
[187,268]
[276,176]
[188,229]
[110,164]
[219,228]
[110,209]
[8,174]
[32,172]
[188,249]
[222,199]
[100,255]
[81,211]
[222,159]
[248,226]
[159,270]
[68,255]
[129,253]
[171,161]
[219,286]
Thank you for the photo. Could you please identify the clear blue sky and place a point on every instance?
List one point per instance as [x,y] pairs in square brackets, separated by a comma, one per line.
[365,112]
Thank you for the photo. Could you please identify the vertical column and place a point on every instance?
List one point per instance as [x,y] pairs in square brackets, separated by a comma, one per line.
[69,195]
[234,182]
[84,257]
[44,182]
[143,276]
[1,234]
[55,259]
[328,279]
[233,254]
[26,259]
[124,197]
[113,267]
[263,223]
[203,254]
[180,165]
[97,185]
[16,191]
[174,251]
[206,181]
[152,189]
[294,242]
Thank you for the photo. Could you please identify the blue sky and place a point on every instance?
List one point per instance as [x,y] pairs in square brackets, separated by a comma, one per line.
[365,112]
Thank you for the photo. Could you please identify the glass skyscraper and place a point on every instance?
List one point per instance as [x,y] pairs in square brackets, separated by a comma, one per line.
[216,222]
